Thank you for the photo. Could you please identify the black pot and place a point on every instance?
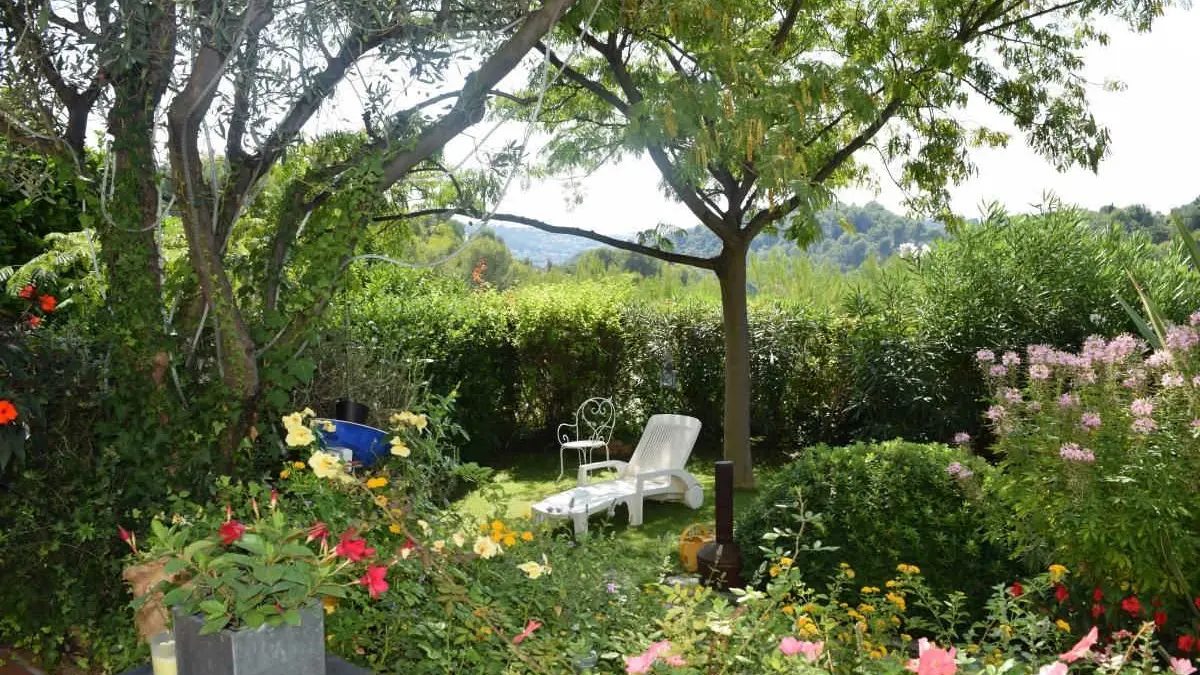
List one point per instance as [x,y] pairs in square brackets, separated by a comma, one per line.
[348,410]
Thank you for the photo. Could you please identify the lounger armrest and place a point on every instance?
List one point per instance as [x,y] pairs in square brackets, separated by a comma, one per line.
[585,469]
[641,478]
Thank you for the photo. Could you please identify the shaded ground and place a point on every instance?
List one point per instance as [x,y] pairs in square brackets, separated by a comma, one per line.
[532,477]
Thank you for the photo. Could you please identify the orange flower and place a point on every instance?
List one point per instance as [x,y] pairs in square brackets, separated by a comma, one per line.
[47,303]
[8,411]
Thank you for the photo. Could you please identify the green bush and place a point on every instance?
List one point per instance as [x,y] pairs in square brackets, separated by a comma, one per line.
[880,504]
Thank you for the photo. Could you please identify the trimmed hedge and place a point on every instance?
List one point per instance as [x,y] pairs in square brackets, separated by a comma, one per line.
[882,504]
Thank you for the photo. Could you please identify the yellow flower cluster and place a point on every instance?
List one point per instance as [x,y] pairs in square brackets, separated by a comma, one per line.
[500,533]
[377,482]
[897,599]
[908,569]
[807,628]
[1063,625]
[408,419]
[298,433]
[847,571]
[868,590]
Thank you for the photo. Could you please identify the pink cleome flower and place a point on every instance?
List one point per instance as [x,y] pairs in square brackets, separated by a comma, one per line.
[1142,407]
[1039,371]
[1172,380]
[1089,421]
[957,470]
[1068,401]
[995,413]
[1010,359]
[1144,425]
[985,356]
[1071,452]
[962,438]
[997,371]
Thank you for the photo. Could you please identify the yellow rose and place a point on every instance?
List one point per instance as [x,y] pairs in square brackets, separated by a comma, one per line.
[328,427]
[307,412]
[486,548]
[373,483]
[399,449]
[867,590]
[300,436]
[497,526]
[908,569]
[395,529]
[325,464]
[789,610]
[292,421]
[510,540]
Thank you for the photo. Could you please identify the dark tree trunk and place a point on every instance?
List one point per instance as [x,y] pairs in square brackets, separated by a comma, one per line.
[731,272]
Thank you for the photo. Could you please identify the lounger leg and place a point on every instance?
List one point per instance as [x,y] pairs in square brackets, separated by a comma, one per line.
[581,522]
[635,512]
[562,467]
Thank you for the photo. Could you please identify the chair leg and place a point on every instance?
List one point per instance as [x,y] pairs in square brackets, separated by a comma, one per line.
[581,522]
[562,467]
[635,511]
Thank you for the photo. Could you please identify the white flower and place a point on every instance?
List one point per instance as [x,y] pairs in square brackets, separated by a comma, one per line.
[299,437]
[486,548]
[399,449]
[535,570]
[749,596]
[721,627]
[424,526]
[325,464]
[458,539]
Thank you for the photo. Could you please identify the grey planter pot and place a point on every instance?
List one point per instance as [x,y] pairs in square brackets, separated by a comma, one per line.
[282,650]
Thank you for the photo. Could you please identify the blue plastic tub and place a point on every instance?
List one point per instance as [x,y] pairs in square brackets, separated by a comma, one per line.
[366,444]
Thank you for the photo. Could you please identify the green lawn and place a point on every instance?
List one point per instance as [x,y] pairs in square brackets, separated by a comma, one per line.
[532,477]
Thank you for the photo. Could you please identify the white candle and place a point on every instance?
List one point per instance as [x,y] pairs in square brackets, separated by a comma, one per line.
[162,654]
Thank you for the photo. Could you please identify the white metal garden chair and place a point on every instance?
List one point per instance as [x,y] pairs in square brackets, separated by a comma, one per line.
[655,471]
[591,430]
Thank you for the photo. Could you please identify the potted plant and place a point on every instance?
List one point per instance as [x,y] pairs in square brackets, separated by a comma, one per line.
[247,597]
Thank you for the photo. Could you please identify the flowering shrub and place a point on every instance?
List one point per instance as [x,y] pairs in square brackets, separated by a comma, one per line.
[880,502]
[788,627]
[17,405]
[1100,454]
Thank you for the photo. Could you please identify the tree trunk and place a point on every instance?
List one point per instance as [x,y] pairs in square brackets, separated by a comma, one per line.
[731,272]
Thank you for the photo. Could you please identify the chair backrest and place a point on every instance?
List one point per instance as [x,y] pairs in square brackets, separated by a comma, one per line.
[594,420]
[666,443]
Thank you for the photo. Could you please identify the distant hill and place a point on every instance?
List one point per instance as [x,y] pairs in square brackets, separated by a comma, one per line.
[527,243]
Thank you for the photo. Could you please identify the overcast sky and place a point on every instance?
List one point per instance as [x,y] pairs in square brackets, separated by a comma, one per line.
[1154,159]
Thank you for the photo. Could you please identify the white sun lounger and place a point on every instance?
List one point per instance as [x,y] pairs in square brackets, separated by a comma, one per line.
[655,471]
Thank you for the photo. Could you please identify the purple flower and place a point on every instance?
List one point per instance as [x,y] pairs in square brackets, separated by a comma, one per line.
[1159,359]
[1010,359]
[1122,347]
[1039,371]
[962,438]
[957,470]
[985,356]
[1129,383]
[1182,338]
[1194,319]
[1196,424]
[995,413]
[1172,380]
[1142,407]
[610,587]
[1012,395]
[1143,425]
[1040,353]
[998,371]
[1071,452]
[1089,421]
[1068,401]
[1088,376]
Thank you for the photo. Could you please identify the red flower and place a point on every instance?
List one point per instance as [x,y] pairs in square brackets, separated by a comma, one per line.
[1061,593]
[1196,602]
[1097,610]
[319,530]
[231,531]
[529,628]
[409,544]
[274,497]
[374,580]
[27,292]
[1132,605]
[1186,643]
[47,303]
[353,549]
[127,537]
[8,411]
[1097,594]
[1017,590]
[1160,619]
[34,321]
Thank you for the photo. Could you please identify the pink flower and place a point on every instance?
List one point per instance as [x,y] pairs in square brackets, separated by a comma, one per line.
[638,664]
[675,660]
[790,646]
[986,355]
[1071,452]
[1039,371]
[1068,401]
[997,371]
[957,470]
[1159,359]
[643,662]
[932,660]
[995,413]
[1182,666]
[1056,668]
[1081,648]
[1142,407]
[1089,421]
[1194,319]
[1172,380]
[1182,338]
[529,628]
[1010,359]
[962,438]
[1144,425]
[1012,395]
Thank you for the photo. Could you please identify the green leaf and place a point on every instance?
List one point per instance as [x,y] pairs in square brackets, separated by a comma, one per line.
[212,607]
[195,547]
[214,624]
[254,618]
[175,565]
[297,549]
[176,596]
[268,574]
[252,543]
[292,617]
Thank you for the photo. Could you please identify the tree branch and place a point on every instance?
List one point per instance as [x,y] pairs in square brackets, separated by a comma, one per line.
[668,256]
[785,26]
[582,80]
